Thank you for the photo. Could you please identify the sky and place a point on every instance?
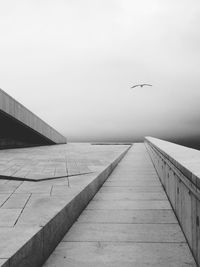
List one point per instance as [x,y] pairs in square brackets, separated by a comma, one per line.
[72,63]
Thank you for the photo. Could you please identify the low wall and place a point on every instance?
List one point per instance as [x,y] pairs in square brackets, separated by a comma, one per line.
[178,168]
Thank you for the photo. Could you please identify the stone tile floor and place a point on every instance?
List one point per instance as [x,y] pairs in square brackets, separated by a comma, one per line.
[26,206]
[128,223]
[47,162]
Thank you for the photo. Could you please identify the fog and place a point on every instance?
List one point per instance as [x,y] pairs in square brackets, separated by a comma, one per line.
[73,62]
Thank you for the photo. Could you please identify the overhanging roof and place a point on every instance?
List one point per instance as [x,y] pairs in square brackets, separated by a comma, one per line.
[18,125]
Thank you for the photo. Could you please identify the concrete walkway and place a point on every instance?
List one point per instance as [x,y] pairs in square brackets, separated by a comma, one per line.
[30,211]
[128,223]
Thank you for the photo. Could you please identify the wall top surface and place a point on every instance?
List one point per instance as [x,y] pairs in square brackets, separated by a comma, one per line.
[186,159]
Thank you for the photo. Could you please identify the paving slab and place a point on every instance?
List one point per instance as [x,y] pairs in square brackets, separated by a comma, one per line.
[8,217]
[125,216]
[32,187]
[3,182]
[112,189]
[130,196]
[16,201]
[3,198]
[129,205]
[59,189]
[7,188]
[98,254]
[124,174]
[41,209]
[12,239]
[132,177]
[162,233]
[133,183]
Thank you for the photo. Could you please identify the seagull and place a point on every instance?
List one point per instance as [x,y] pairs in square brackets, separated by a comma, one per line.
[141,85]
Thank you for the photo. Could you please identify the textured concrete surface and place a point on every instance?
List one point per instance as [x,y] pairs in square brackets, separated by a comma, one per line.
[49,162]
[186,159]
[118,254]
[129,205]
[125,233]
[117,229]
[34,216]
[125,216]
[177,167]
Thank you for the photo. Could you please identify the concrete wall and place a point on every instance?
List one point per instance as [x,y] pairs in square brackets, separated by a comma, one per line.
[179,170]
[13,109]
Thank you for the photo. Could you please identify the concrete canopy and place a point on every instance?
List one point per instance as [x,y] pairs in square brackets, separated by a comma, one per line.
[22,128]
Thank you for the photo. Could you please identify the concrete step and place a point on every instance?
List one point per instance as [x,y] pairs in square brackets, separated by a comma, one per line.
[43,212]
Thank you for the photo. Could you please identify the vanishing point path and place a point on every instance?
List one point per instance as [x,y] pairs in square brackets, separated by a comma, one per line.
[128,223]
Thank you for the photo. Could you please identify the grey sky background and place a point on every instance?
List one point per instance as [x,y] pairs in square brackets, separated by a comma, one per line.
[73,63]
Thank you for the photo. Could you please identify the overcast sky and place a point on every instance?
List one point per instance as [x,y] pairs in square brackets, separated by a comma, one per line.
[72,62]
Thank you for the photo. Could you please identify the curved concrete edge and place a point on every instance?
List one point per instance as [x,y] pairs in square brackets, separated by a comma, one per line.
[40,244]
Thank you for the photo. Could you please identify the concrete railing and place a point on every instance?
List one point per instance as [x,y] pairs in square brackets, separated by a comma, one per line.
[178,168]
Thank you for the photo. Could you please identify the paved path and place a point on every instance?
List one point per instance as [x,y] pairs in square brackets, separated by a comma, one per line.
[18,199]
[128,223]
[29,210]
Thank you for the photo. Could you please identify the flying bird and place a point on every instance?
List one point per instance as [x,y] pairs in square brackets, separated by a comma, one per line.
[141,85]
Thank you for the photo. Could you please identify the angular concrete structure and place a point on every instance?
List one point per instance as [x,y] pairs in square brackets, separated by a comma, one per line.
[178,168]
[128,223]
[110,205]
[20,127]
[34,216]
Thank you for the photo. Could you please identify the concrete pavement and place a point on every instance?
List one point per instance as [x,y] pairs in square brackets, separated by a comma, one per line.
[34,216]
[128,223]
